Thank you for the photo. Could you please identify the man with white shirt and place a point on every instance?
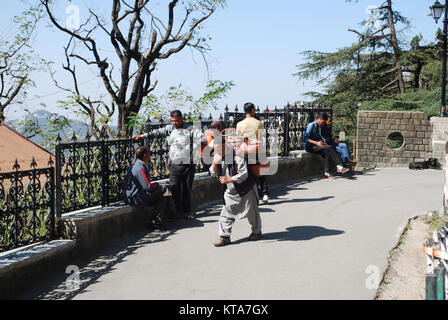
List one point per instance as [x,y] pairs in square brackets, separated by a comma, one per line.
[180,136]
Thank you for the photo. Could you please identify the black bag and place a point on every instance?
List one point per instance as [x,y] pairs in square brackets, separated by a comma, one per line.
[431,163]
[245,187]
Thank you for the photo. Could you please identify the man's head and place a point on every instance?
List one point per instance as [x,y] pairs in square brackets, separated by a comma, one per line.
[177,119]
[322,119]
[217,125]
[249,109]
[143,154]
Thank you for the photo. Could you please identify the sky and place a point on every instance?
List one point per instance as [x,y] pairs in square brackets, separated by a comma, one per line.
[255,43]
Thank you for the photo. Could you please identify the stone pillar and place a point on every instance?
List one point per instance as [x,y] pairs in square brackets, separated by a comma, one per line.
[439,138]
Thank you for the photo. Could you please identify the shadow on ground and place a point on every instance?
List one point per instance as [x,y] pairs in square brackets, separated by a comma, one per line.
[299,233]
[95,265]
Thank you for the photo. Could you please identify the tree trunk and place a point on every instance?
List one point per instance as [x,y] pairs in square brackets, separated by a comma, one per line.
[397,52]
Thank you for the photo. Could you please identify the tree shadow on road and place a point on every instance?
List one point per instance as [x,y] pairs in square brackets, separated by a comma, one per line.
[99,262]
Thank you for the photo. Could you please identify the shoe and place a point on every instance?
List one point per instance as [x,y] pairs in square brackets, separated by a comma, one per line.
[222,241]
[255,236]
[328,176]
[343,170]
[265,199]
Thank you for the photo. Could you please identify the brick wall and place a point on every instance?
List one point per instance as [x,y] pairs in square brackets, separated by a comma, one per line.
[374,127]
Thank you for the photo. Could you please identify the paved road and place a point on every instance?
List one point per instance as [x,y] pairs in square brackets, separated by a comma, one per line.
[323,239]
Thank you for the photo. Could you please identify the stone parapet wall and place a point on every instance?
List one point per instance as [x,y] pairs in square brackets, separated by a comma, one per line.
[374,127]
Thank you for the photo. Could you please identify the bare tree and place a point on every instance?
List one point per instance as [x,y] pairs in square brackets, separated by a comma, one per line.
[17,59]
[140,39]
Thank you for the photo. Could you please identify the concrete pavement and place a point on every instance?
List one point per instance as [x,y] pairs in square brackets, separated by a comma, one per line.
[323,239]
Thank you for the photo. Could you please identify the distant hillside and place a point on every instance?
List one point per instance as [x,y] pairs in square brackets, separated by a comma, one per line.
[42,119]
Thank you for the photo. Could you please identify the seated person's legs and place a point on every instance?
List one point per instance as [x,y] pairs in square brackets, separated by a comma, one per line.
[161,201]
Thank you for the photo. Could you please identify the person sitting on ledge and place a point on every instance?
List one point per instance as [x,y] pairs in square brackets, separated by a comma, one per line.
[315,143]
[140,192]
[340,147]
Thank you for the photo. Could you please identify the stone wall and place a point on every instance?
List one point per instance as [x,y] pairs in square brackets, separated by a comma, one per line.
[439,138]
[374,127]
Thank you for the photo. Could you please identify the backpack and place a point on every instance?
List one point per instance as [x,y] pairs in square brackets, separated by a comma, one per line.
[245,187]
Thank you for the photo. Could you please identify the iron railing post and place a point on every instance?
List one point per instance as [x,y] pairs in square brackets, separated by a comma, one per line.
[58,170]
[104,174]
[287,120]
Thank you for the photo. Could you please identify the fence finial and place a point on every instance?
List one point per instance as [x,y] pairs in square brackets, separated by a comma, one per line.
[226,109]
[221,118]
[50,162]
[210,118]
[59,139]
[33,164]
[16,166]
[88,136]
[236,108]
[74,138]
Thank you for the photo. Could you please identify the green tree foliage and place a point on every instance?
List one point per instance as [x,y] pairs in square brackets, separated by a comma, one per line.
[178,97]
[18,59]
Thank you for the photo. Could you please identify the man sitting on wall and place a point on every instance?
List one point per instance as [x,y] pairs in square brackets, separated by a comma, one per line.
[340,147]
[140,192]
[315,143]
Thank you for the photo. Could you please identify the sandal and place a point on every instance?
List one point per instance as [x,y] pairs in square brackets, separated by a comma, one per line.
[190,217]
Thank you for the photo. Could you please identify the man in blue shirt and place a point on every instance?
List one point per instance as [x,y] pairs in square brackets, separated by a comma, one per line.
[141,192]
[315,143]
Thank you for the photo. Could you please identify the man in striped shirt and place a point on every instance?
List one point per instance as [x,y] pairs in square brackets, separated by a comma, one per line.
[141,192]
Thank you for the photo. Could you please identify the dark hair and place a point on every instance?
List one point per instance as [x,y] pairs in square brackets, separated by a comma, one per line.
[176,114]
[323,116]
[248,107]
[217,125]
[141,152]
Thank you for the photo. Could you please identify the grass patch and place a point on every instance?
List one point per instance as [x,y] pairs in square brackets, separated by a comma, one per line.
[435,222]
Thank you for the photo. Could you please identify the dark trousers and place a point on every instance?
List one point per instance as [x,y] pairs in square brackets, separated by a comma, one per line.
[181,183]
[263,187]
[329,154]
[160,198]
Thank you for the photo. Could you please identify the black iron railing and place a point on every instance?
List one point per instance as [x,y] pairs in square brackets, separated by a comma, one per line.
[284,128]
[91,173]
[27,211]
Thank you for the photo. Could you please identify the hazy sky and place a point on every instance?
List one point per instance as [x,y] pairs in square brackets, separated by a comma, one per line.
[256,44]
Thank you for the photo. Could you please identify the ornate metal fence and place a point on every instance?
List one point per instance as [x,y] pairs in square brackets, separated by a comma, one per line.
[284,128]
[91,173]
[27,211]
